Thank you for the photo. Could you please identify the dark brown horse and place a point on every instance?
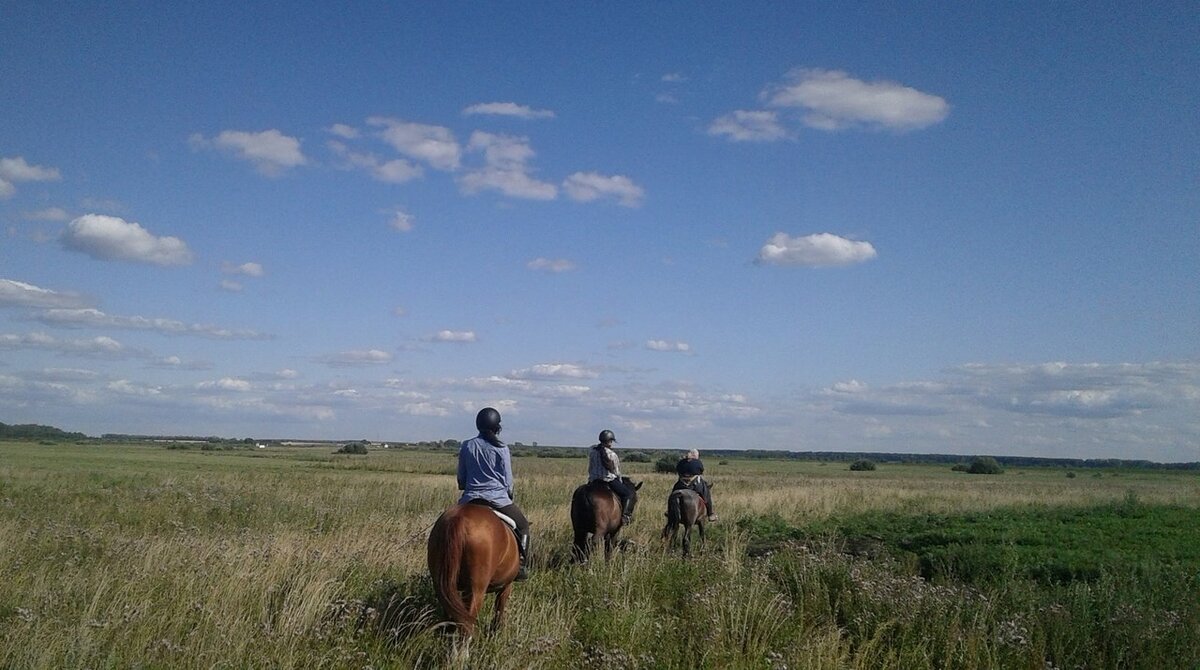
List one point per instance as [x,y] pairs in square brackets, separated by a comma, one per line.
[685,508]
[471,551]
[596,513]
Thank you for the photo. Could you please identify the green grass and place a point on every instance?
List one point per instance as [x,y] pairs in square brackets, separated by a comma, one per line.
[136,556]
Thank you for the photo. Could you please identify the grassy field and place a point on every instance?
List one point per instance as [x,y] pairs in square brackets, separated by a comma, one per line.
[141,556]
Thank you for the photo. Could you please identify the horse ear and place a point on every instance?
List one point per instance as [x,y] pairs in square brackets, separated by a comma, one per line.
[638,486]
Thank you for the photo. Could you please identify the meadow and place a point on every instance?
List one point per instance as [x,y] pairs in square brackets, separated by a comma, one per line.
[138,556]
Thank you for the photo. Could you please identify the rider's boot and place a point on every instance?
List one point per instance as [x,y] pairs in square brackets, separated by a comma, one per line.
[627,511]
[523,550]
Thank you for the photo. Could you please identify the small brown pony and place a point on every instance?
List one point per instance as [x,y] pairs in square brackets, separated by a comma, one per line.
[596,513]
[472,551]
[685,507]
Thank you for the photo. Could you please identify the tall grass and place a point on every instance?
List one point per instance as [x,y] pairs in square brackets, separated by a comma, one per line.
[144,557]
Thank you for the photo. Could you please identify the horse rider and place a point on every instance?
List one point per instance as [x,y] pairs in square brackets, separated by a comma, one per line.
[485,477]
[605,466]
[691,476]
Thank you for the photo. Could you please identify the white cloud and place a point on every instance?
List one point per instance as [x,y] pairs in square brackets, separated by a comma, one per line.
[551,265]
[588,186]
[226,384]
[832,100]
[505,168]
[674,77]
[344,131]
[270,151]
[357,358]
[508,109]
[749,126]
[249,269]
[115,239]
[395,171]
[434,145]
[230,285]
[820,250]
[555,371]
[17,170]
[20,294]
[453,336]
[401,220]
[97,346]
[665,345]
[94,318]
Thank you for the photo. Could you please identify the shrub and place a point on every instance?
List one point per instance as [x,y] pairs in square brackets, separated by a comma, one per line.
[984,465]
[665,464]
[1070,475]
[862,465]
[355,448]
[637,457]
[960,467]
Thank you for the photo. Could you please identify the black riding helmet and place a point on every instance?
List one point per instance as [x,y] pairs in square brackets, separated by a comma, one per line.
[607,436]
[488,421]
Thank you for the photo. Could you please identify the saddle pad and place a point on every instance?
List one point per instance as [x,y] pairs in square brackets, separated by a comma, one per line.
[508,520]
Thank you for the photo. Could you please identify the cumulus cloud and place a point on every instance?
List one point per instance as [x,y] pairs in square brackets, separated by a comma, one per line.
[665,345]
[820,250]
[434,145]
[506,168]
[270,151]
[230,285]
[395,171]
[508,109]
[101,346]
[749,126]
[588,186]
[18,170]
[458,336]
[554,265]
[249,269]
[15,293]
[344,131]
[94,318]
[112,238]
[833,100]
[226,384]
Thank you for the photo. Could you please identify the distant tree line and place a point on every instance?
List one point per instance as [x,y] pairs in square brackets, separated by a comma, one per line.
[33,431]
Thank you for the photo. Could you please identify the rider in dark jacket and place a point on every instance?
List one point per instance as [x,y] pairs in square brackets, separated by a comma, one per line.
[691,470]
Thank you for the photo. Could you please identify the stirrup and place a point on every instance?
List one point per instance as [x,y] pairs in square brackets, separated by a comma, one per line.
[522,574]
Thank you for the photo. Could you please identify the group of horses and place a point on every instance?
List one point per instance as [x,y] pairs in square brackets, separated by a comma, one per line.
[472,552]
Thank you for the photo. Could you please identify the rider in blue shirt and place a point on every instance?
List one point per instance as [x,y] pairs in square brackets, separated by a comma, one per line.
[486,478]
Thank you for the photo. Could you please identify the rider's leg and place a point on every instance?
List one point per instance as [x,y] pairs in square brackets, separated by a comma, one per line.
[626,495]
[706,493]
[522,532]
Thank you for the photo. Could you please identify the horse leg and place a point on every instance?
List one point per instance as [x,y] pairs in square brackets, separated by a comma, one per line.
[700,525]
[687,540]
[501,601]
[579,548]
[609,540]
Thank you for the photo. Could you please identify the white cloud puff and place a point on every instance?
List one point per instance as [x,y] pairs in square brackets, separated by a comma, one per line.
[460,336]
[820,250]
[833,100]
[94,318]
[270,151]
[508,109]
[588,186]
[401,220]
[665,345]
[749,126]
[395,171]
[434,145]
[250,269]
[555,371]
[554,265]
[112,238]
[357,358]
[506,168]
[17,169]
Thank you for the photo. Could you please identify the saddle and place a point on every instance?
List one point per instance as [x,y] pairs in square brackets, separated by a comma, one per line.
[508,520]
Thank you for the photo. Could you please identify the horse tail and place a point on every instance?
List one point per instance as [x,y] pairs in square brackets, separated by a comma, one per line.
[446,544]
[675,507]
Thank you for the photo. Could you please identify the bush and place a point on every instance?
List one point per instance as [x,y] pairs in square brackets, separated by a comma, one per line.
[637,457]
[984,465]
[862,465]
[665,464]
[355,448]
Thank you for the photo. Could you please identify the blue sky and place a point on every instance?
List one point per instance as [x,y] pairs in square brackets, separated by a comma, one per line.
[937,228]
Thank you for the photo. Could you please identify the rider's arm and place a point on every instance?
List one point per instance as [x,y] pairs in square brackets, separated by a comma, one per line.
[462,469]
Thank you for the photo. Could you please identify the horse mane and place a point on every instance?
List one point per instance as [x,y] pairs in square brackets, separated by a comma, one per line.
[447,551]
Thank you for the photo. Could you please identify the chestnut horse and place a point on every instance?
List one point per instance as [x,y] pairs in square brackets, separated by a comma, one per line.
[472,551]
[596,513]
[685,507]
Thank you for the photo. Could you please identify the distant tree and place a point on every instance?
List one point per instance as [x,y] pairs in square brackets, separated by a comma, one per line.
[353,448]
[984,465]
[451,444]
[637,457]
[665,464]
[862,465]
